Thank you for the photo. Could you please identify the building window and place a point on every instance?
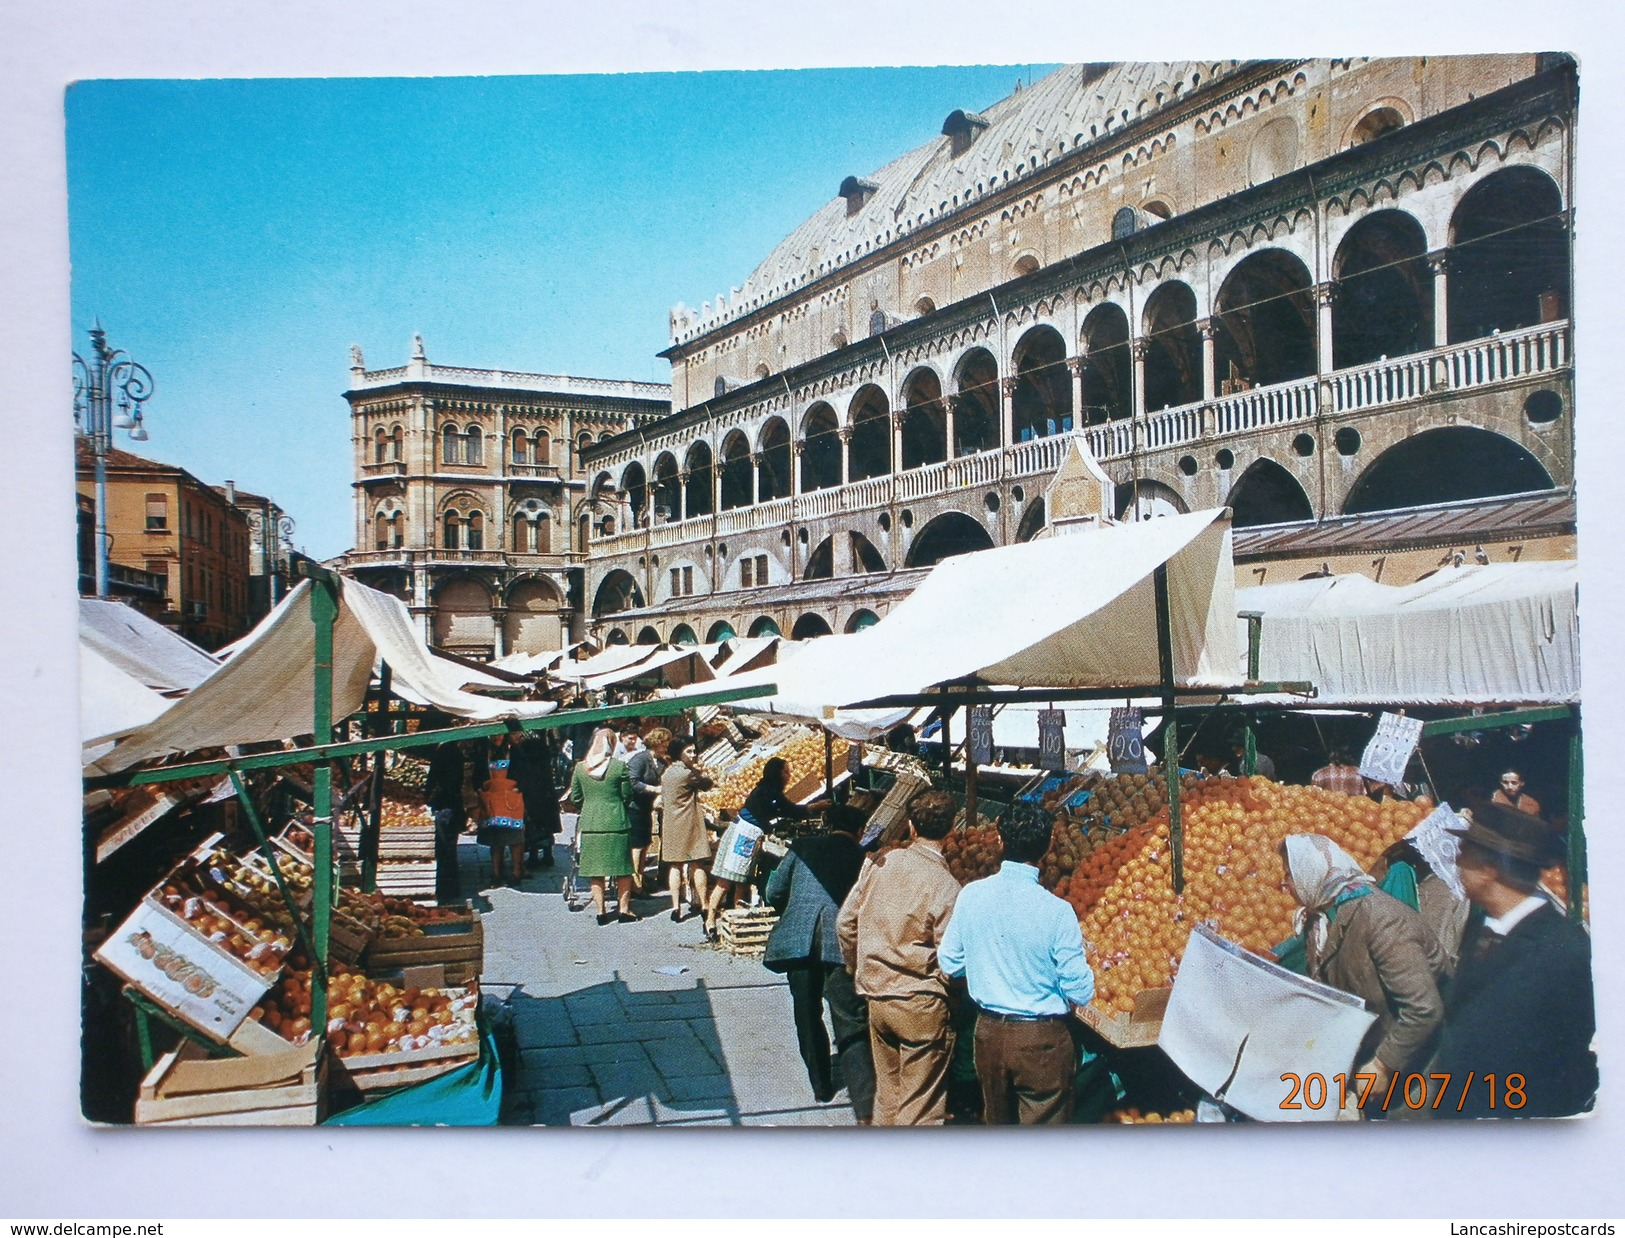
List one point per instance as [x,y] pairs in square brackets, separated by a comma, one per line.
[451,445]
[452,541]
[747,573]
[521,448]
[541,448]
[397,535]
[395,441]
[761,569]
[380,532]
[476,531]
[157,511]
[472,443]
[380,447]
[544,535]
[688,582]
[676,582]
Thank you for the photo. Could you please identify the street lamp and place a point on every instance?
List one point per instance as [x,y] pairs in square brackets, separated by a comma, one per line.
[110,375]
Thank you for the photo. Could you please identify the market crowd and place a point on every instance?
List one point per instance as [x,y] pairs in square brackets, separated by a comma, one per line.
[944,999]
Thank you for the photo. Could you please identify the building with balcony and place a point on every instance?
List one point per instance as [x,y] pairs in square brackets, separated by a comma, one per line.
[271,556]
[470,495]
[177,549]
[1331,294]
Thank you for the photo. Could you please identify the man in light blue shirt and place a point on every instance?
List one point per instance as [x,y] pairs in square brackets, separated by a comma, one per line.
[1020,951]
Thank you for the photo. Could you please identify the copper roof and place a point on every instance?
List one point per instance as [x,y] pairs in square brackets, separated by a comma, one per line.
[1547,513]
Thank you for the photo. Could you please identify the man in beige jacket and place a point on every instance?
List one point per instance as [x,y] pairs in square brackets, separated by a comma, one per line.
[889,929]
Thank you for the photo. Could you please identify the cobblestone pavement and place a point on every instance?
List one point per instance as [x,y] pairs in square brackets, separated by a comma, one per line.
[608,1037]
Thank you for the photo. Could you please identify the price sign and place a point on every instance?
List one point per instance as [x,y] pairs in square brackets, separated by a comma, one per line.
[1052,739]
[854,759]
[1125,742]
[981,734]
[1390,749]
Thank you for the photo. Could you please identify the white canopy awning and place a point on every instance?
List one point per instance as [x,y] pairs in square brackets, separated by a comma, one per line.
[614,658]
[677,666]
[1073,611]
[267,691]
[112,702]
[141,647]
[1497,634]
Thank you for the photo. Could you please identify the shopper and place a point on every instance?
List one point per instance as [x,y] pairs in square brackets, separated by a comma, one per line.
[1522,1002]
[1339,774]
[602,791]
[1510,794]
[735,859]
[504,779]
[1366,942]
[807,889]
[644,767]
[443,791]
[1429,885]
[685,847]
[890,928]
[541,792]
[1020,951]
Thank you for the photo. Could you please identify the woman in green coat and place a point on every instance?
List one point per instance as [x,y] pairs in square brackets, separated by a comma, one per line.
[602,792]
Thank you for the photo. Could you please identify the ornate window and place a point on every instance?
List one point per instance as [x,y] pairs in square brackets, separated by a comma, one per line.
[473,444]
[453,536]
[476,531]
[451,445]
[521,448]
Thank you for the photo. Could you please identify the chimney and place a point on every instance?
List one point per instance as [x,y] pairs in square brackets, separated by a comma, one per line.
[231,492]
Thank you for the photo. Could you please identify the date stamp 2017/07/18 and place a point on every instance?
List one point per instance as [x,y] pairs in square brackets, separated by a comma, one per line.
[1413,1091]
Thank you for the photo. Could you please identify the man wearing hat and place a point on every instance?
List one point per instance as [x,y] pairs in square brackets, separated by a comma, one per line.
[1521,1002]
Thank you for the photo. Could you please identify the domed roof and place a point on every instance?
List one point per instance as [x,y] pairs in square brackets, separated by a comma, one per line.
[1073,107]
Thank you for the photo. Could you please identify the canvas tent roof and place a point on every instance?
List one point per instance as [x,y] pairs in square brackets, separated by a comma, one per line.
[1071,611]
[143,648]
[679,666]
[266,692]
[112,702]
[1496,634]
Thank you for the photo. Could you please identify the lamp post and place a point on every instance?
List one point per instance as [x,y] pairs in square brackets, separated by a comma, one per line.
[109,375]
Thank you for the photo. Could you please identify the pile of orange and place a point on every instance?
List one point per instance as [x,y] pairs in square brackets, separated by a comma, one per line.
[973,851]
[1136,927]
[1133,1117]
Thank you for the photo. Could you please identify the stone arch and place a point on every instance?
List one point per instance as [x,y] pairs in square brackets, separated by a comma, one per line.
[1042,404]
[462,615]
[869,451]
[1265,320]
[774,475]
[1108,365]
[534,623]
[1384,305]
[821,562]
[866,560]
[697,499]
[821,456]
[1509,255]
[952,533]
[811,626]
[1032,521]
[616,636]
[976,402]
[648,635]
[1446,465]
[1267,493]
[860,619]
[682,634]
[635,486]
[736,471]
[665,492]
[765,625]
[616,592]
[1173,347]
[1146,499]
[925,422]
[719,631]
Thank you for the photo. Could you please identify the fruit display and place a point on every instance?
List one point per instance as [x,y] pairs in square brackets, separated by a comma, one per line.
[397,813]
[407,778]
[258,945]
[973,851]
[371,1016]
[1556,879]
[1136,928]
[1133,1117]
[803,756]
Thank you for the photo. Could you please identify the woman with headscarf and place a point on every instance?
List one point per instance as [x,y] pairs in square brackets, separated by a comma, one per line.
[735,859]
[603,792]
[1364,941]
[645,768]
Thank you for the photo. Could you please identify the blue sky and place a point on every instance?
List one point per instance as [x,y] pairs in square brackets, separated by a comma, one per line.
[237,236]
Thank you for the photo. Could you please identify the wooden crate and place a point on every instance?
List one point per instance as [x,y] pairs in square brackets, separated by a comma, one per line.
[886,822]
[1136,1030]
[380,1072]
[458,946]
[186,1088]
[745,930]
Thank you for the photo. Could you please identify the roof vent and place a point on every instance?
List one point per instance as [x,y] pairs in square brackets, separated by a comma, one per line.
[857,191]
[961,129]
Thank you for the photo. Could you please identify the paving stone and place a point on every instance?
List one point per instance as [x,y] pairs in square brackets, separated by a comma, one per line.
[559,1075]
[681,1059]
[715,1087]
[554,1106]
[625,1078]
[618,1033]
[581,1055]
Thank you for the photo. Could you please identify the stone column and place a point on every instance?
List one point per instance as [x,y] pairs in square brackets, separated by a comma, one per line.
[798,449]
[1139,349]
[499,616]
[948,429]
[1209,331]
[1439,264]
[755,478]
[716,485]
[1325,296]
[844,433]
[1007,412]
[1074,367]
[682,494]
[898,417]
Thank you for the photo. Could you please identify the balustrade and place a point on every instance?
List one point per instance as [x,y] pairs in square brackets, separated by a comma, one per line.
[1267,406]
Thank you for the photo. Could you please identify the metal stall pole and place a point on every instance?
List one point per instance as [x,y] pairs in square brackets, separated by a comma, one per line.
[323,611]
[970,769]
[1170,724]
[1577,836]
[372,831]
[1255,628]
[829,765]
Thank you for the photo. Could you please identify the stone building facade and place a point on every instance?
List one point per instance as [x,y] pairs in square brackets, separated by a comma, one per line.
[469,494]
[1309,290]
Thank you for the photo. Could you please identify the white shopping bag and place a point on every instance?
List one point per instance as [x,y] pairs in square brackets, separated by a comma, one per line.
[1253,1034]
